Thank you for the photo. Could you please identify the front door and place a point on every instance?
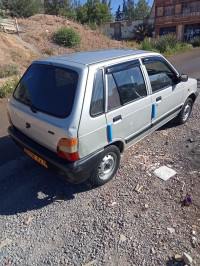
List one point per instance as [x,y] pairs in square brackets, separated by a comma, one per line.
[167,91]
[129,105]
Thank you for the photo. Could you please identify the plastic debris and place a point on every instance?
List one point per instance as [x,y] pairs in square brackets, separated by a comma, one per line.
[187,201]
[8,262]
[1,254]
[165,173]
[193,241]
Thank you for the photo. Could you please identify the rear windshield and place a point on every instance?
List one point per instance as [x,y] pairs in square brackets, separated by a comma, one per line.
[48,89]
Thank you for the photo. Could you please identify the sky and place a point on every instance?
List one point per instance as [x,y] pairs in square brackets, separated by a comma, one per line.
[116,3]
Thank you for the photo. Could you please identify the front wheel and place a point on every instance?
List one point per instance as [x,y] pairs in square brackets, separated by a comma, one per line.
[107,166]
[185,111]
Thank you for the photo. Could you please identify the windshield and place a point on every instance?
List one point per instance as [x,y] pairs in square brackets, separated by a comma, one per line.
[48,89]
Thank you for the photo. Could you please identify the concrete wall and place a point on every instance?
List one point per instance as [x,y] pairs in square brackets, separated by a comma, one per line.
[127,28]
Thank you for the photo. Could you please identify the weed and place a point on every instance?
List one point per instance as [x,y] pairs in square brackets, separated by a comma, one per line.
[8,70]
[196,42]
[166,45]
[8,88]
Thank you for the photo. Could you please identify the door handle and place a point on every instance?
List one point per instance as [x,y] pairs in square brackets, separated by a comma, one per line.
[117,118]
[159,99]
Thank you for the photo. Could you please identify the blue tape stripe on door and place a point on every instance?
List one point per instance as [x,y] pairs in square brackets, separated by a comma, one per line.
[110,137]
[154,110]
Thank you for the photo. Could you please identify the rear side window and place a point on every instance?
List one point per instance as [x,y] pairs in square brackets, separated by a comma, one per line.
[97,103]
[48,89]
[125,86]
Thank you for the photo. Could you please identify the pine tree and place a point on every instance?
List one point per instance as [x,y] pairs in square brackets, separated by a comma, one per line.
[118,14]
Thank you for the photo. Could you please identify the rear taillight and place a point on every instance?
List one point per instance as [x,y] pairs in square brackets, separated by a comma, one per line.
[68,149]
[9,119]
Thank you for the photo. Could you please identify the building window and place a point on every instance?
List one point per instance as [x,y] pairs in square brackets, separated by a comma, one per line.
[167,30]
[160,11]
[191,31]
[169,10]
[178,9]
[191,8]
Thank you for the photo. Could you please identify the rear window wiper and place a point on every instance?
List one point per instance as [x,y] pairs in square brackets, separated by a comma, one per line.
[31,105]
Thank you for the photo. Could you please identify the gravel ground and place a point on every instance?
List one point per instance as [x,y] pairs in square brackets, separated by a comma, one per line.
[47,221]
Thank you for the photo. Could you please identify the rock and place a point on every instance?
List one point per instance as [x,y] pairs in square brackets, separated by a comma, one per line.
[178,257]
[187,259]
[171,230]
[122,238]
[191,140]
[193,242]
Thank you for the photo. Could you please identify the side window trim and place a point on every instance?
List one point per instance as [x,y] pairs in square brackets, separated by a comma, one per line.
[122,66]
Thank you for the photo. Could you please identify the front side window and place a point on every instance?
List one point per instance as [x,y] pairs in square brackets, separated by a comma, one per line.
[97,102]
[48,89]
[160,74]
[125,86]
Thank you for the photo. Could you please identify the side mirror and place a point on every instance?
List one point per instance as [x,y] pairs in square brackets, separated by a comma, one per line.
[184,78]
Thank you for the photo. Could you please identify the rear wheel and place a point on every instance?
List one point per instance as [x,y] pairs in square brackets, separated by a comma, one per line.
[107,166]
[185,112]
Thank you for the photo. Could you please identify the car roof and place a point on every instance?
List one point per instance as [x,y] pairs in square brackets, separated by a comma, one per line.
[93,57]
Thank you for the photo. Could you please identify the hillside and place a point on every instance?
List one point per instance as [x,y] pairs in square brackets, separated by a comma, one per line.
[35,40]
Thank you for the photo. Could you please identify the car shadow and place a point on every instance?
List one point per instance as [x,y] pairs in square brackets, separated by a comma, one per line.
[9,150]
[34,188]
[168,125]
[25,185]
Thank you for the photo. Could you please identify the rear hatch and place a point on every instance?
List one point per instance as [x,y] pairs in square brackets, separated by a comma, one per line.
[42,104]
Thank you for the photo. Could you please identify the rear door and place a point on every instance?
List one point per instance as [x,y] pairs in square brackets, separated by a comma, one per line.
[129,105]
[167,91]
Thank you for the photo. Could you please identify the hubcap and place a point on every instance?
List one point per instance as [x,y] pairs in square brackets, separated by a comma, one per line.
[186,112]
[107,166]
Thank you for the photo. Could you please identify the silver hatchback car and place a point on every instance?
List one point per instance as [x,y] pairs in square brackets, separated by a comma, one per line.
[77,113]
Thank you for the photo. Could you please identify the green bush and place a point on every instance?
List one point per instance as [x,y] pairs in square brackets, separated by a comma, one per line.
[8,70]
[67,37]
[196,42]
[8,88]
[166,45]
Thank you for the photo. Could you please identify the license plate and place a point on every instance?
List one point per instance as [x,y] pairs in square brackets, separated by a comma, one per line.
[36,158]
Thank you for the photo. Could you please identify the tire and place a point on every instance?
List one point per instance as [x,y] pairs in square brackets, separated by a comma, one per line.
[185,112]
[106,167]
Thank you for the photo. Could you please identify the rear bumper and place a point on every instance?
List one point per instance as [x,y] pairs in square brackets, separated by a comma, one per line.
[75,172]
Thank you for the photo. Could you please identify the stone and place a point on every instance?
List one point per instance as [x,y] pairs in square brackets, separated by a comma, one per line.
[187,259]
[165,173]
[122,238]
[171,230]
[178,257]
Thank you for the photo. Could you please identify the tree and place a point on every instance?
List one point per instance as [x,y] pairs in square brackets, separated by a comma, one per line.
[118,14]
[142,9]
[22,8]
[94,12]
